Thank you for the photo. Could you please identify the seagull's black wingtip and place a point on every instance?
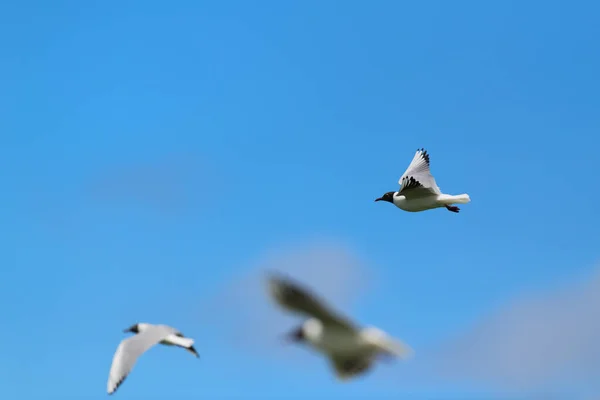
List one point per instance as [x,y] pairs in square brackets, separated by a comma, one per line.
[193,351]
[425,155]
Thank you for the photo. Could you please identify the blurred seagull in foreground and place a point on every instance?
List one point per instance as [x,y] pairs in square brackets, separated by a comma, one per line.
[351,349]
[419,192]
[130,349]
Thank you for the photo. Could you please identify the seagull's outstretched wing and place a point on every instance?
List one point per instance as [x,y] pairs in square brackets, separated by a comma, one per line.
[130,349]
[417,179]
[295,298]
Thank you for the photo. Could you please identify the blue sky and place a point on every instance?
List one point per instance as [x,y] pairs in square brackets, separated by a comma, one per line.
[153,156]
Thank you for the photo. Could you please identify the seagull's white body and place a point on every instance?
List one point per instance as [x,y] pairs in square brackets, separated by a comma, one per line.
[350,349]
[130,349]
[418,189]
[415,204]
[361,345]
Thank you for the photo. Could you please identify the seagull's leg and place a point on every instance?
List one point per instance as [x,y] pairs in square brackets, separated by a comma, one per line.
[355,366]
[453,208]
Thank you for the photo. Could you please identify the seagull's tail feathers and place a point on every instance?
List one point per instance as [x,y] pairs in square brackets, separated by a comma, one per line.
[180,341]
[386,344]
[456,199]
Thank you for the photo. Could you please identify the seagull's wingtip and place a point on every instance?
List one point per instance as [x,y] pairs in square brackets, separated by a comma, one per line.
[192,350]
[272,274]
[276,278]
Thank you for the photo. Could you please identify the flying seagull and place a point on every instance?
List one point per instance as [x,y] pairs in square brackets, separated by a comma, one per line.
[419,192]
[351,350]
[147,335]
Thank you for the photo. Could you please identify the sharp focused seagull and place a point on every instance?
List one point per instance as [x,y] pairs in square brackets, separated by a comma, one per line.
[130,349]
[419,192]
[351,350]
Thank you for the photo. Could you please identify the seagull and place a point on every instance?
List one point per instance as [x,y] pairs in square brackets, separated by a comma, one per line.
[350,349]
[147,335]
[418,190]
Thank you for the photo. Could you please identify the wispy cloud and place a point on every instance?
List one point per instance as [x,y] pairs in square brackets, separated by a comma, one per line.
[549,340]
[245,313]
[167,184]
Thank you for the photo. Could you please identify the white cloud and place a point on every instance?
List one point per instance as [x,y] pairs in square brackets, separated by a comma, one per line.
[549,340]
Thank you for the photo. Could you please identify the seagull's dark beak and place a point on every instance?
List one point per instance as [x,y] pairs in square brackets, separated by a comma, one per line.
[379,199]
[132,329]
[297,335]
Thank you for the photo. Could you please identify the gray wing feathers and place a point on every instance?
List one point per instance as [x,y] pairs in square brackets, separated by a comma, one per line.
[130,349]
[417,178]
[295,298]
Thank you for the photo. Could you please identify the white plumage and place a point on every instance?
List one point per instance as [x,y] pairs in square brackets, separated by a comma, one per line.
[351,350]
[419,190]
[130,349]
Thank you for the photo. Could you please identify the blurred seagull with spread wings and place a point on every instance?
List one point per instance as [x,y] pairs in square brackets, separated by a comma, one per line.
[419,192]
[351,350]
[130,349]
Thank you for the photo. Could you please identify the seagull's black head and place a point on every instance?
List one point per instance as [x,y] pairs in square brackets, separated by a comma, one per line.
[297,335]
[133,329]
[389,197]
